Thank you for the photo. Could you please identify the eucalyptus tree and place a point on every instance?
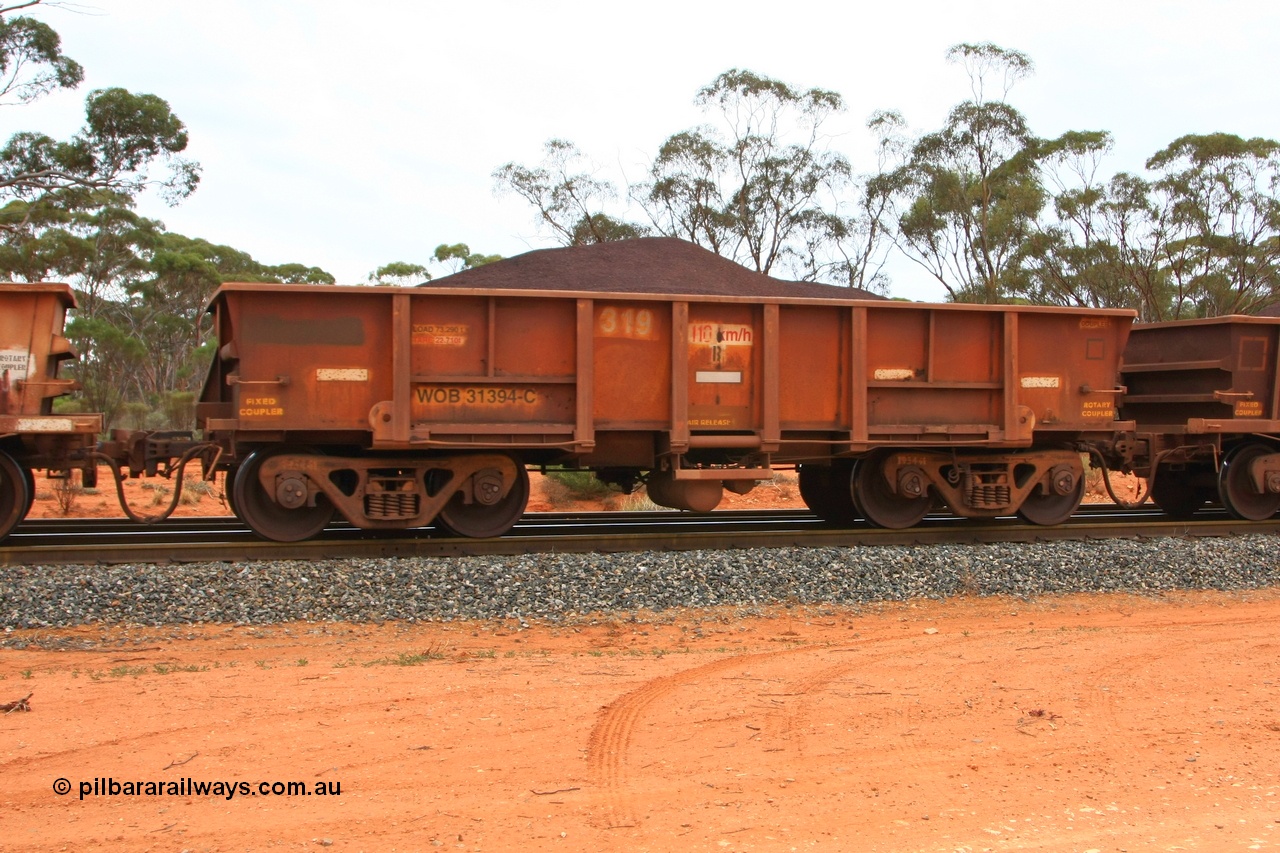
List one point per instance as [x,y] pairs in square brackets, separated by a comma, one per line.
[67,203]
[458,257]
[454,257]
[109,246]
[1076,253]
[33,239]
[1219,195]
[124,139]
[168,310]
[1101,243]
[568,196]
[295,273]
[112,358]
[31,60]
[760,185]
[399,273]
[966,198]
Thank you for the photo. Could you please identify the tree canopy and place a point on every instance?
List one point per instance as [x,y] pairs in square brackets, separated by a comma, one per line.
[124,139]
[991,210]
[67,211]
[758,184]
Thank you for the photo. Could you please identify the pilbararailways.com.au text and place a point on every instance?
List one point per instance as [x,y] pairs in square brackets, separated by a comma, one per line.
[106,786]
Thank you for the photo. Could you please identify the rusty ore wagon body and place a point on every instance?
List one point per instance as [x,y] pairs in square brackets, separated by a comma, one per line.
[400,406]
[32,347]
[1205,399]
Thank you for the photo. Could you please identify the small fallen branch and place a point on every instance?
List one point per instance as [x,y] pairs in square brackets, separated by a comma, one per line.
[23,704]
[179,763]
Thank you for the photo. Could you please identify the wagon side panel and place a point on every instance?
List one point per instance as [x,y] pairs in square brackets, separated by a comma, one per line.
[813,360]
[934,376]
[493,370]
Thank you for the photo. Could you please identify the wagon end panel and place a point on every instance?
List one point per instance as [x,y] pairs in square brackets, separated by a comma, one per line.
[299,360]
[32,437]
[1068,366]
[32,347]
[1213,375]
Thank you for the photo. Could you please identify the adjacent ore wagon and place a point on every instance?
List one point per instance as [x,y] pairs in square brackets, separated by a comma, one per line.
[32,347]
[1205,398]
[401,407]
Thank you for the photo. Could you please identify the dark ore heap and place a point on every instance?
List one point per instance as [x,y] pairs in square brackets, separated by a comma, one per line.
[646,265]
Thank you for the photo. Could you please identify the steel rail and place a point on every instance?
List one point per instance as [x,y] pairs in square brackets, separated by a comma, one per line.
[185,540]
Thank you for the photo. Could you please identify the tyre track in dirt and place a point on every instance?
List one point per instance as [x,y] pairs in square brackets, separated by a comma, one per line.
[794,696]
[611,739]
[908,726]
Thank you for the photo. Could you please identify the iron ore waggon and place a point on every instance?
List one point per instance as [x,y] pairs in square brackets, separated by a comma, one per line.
[399,407]
[655,362]
[32,436]
[1205,398]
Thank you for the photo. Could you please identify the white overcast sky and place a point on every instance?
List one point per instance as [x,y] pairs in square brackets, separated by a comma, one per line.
[350,134]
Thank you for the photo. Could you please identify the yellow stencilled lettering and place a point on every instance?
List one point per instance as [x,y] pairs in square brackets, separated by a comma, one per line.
[1099,404]
[633,323]
[440,334]
[1248,409]
[260,407]
[1097,410]
[710,422]
[1095,322]
[911,460]
[476,396]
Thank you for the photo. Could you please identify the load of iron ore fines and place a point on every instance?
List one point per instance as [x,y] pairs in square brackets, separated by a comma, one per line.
[651,265]
[568,588]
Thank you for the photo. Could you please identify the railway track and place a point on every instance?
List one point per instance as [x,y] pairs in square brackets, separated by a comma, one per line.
[39,542]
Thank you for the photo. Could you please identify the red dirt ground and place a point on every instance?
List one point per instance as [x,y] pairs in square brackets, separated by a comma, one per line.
[1082,723]
[1073,723]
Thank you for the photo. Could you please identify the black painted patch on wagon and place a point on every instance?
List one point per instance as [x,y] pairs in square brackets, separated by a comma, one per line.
[329,331]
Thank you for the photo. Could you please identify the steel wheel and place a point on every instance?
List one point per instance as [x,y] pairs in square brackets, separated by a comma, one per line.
[258,509]
[828,491]
[483,521]
[1235,487]
[31,489]
[882,506]
[15,495]
[229,492]
[1175,495]
[1051,508]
